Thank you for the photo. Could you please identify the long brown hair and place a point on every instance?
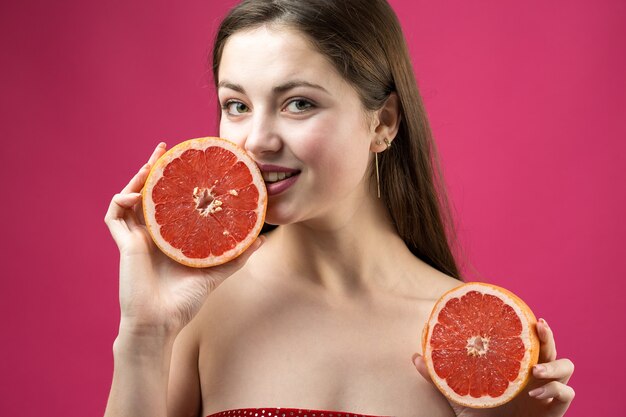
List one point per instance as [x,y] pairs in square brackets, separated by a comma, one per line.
[364,41]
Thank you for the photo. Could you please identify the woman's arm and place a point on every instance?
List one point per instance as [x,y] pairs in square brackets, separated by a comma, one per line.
[140,375]
[184,397]
[158,298]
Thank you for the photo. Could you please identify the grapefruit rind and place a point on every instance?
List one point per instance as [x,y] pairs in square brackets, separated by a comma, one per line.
[528,336]
[149,208]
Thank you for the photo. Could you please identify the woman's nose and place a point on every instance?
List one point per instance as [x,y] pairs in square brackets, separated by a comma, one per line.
[263,137]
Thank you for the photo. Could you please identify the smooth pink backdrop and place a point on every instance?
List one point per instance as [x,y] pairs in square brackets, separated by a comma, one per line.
[527,101]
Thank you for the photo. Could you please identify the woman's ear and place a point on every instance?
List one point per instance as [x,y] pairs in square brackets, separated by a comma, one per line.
[388,119]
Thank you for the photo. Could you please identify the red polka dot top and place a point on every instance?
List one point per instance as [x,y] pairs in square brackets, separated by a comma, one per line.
[285,412]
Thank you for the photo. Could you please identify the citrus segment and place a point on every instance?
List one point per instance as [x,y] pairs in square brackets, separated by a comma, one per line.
[204,202]
[243,199]
[479,345]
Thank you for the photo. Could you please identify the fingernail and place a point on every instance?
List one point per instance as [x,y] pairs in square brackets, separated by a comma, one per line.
[539,369]
[259,242]
[537,392]
[545,323]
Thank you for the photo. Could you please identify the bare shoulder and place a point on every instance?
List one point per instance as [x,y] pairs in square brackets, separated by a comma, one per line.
[211,335]
[242,298]
[431,282]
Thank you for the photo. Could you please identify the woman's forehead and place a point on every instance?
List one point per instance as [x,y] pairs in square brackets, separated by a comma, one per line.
[274,54]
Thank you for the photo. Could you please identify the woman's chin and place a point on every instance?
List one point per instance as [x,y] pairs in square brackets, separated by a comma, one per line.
[277,217]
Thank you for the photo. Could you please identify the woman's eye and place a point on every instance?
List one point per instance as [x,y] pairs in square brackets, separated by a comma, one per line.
[235,107]
[299,106]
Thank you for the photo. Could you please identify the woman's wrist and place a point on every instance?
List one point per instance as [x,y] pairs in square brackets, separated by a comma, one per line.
[143,339]
[141,372]
[137,327]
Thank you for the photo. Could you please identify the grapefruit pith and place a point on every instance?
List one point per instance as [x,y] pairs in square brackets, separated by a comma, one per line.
[204,202]
[480,344]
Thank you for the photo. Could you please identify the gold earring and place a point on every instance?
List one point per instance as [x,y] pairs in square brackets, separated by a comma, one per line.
[377,175]
[388,143]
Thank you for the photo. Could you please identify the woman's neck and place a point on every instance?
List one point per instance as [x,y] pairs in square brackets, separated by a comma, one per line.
[352,254]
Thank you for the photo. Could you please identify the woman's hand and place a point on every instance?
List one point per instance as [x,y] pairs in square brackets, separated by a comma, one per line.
[547,393]
[157,295]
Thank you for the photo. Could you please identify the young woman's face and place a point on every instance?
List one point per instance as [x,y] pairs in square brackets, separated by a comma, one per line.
[299,119]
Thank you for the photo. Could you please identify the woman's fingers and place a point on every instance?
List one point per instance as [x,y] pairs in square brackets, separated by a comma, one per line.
[157,153]
[119,217]
[120,205]
[420,365]
[136,183]
[122,214]
[559,395]
[556,393]
[560,370]
[139,213]
[547,350]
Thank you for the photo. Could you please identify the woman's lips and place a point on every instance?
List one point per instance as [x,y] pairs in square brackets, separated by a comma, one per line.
[274,188]
[278,178]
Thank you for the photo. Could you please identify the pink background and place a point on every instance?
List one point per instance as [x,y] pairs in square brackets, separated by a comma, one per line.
[527,103]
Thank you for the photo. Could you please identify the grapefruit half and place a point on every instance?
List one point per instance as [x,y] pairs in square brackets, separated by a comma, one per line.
[480,344]
[204,202]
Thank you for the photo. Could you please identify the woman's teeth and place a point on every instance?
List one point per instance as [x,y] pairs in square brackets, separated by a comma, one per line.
[276,176]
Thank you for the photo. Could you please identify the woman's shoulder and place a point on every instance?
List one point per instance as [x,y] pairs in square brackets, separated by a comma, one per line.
[427,282]
[239,295]
[442,283]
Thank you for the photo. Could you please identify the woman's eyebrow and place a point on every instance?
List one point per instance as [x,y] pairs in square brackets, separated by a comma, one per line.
[235,87]
[277,90]
[297,83]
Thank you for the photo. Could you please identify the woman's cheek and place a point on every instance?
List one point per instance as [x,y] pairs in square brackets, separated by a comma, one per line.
[231,132]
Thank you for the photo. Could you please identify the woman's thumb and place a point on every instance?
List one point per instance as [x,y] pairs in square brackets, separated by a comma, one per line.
[420,365]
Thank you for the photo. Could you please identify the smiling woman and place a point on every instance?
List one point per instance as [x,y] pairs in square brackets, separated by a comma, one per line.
[323,312]
[368,54]
[293,112]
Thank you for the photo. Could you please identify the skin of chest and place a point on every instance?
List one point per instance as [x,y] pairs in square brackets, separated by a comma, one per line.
[265,345]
